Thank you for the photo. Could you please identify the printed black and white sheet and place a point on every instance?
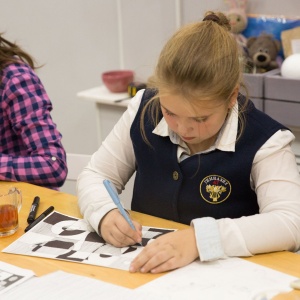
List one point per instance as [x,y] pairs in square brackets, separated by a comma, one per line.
[11,276]
[63,237]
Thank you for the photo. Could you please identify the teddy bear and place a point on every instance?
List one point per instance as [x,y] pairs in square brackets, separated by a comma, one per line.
[263,51]
[238,19]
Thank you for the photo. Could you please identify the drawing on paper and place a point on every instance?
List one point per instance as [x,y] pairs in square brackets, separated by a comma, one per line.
[63,237]
[11,276]
[7,279]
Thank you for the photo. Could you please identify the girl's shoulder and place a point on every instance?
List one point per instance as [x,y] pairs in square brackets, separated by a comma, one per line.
[15,69]
[19,70]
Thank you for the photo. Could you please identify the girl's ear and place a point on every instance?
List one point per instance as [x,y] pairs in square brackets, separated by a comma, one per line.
[233,97]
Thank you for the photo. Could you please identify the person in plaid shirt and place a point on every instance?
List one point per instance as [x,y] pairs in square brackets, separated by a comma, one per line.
[30,144]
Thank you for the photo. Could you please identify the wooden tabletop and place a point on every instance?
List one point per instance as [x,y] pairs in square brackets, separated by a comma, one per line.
[286,262]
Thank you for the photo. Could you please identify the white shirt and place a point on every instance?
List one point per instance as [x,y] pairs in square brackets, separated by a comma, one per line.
[274,178]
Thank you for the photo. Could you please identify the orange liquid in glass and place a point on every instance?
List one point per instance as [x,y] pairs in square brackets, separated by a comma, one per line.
[8,218]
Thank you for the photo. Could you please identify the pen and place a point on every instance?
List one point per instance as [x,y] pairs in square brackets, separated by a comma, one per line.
[114,195]
[40,218]
[33,209]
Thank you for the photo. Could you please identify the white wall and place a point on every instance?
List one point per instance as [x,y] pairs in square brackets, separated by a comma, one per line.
[76,40]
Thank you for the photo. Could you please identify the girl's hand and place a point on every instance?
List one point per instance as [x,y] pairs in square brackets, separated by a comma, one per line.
[168,252]
[116,231]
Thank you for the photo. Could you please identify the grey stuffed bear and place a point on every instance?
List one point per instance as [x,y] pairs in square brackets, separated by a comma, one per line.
[263,51]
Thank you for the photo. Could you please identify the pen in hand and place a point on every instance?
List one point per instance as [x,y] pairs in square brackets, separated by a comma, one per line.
[40,218]
[33,209]
[114,195]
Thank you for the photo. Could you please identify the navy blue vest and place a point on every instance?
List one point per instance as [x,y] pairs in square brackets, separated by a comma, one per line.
[216,184]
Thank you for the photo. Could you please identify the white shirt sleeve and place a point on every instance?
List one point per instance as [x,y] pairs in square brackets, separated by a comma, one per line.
[114,160]
[275,178]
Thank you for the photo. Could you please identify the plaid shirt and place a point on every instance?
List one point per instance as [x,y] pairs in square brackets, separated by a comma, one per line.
[30,145]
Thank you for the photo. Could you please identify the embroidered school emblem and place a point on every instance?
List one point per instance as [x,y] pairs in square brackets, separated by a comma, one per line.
[215,189]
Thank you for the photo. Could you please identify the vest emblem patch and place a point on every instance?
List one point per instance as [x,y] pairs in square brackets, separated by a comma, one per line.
[215,189]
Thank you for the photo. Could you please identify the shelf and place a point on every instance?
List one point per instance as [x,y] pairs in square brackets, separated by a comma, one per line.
[102,95]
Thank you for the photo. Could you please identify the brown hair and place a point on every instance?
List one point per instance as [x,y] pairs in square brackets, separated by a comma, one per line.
[201,62]
[12,53]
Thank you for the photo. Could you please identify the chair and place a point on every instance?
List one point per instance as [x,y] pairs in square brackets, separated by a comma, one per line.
[76,163]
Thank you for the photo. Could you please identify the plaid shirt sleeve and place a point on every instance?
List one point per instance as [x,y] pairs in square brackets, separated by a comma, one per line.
[33,151]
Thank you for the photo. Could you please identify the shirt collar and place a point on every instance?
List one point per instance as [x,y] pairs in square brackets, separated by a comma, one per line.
[226,138]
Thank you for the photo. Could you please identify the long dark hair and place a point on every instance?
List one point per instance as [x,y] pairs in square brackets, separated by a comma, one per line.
[12,53]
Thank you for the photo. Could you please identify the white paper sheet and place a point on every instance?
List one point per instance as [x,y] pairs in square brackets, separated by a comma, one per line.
[232,279]
[65,286]
[11,276]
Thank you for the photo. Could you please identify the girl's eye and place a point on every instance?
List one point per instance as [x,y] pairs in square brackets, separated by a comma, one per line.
[201,120]
[169,113]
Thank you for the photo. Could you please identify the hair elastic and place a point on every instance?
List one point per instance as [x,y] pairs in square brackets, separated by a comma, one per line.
[212,17]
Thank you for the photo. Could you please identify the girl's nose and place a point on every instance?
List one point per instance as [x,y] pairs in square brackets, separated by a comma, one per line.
[183,128]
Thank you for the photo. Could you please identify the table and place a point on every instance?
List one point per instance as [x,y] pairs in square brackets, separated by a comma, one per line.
[67,204]
[286,262]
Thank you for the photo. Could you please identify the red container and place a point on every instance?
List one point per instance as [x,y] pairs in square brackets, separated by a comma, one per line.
[117,81]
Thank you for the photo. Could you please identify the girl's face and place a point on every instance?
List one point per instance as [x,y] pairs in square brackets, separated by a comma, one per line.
[196,124]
